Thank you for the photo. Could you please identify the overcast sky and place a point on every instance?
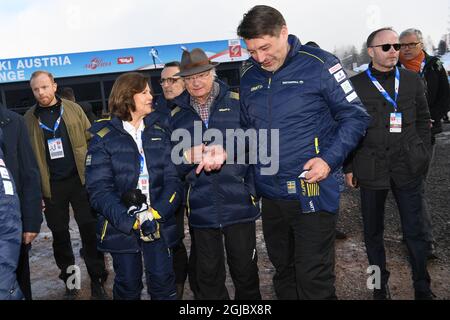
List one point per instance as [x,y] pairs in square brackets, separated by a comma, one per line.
[32,28]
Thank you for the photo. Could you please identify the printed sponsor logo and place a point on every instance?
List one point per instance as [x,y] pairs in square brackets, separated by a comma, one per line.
[340,76]
[352,97]
[347,87]
[335,69]
[293,82]
[125,60]
[97,63]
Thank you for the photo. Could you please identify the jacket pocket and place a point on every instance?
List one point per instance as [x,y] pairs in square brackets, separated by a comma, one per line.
[364,165]
[417,156]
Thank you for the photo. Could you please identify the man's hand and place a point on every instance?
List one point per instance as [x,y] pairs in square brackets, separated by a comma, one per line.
[213,158]
[318,170]
[350,180]
[28,237]
[195,154]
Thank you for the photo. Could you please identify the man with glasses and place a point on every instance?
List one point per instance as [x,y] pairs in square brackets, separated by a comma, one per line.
[414,58]
[220,199]
[172,86]
[392,156]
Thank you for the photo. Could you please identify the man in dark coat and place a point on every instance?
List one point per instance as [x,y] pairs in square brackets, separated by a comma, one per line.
[393,156]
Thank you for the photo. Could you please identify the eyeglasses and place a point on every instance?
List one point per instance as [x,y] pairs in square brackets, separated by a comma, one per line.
[411,45]
[169,81]
[386,47]
[200,76]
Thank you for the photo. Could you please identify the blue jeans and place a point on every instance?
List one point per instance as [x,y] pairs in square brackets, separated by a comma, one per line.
[409,202]
[159,273]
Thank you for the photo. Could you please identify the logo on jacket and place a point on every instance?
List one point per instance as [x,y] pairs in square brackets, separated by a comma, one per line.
[292,187]
[256,88]
[293,82]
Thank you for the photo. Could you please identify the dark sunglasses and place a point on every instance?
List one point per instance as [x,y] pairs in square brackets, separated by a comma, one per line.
[386,47]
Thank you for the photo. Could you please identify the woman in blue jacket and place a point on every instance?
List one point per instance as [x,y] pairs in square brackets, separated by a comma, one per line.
[134,187]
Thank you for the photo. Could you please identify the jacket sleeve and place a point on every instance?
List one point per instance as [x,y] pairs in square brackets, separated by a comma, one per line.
[30,180]
[423,121]
[100,185]
[443,96]
[182,169]
[349,113]
[85,123]
[169,201]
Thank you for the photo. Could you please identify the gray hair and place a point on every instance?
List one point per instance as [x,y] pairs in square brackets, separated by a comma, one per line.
[413,31]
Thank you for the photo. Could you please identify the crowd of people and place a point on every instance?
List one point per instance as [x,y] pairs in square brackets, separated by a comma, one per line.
[130,197]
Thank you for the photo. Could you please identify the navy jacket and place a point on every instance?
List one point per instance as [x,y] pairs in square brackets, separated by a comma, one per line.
[20,159]
[318,114]
[10,234]
[112,168]
[221,198]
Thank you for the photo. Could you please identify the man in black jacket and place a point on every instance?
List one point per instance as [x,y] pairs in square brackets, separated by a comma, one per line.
[414,58]
[19,158]
[393,155]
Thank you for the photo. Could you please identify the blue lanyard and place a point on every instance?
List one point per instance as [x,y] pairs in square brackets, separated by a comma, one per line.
[142,163]
[383,91]
[57,123]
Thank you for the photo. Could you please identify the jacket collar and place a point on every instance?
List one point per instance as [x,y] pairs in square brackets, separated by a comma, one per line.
[149,121]
[184,99]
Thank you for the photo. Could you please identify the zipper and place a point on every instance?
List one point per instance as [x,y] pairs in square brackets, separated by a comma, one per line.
[105,226]
[187,202]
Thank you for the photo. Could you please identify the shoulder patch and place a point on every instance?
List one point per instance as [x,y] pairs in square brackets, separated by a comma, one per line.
[311,55]
[102,133]
[175,111]
[234,95]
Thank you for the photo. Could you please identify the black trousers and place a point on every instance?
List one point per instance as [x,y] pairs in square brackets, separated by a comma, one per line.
[301,248]
[65,192]
[240,246]
[409,202]
[23,271]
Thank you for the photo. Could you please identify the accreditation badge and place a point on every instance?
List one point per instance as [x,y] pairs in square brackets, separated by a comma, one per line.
[55,148]
[395,123]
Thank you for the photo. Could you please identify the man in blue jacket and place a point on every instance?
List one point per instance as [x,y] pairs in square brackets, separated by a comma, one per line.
[304,94]
[20,159]
[10,233]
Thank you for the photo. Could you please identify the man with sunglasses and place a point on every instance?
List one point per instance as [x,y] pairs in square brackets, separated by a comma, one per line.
[392,156]
[414,58]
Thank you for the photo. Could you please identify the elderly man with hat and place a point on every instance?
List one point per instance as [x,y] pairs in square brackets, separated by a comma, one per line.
[220,199]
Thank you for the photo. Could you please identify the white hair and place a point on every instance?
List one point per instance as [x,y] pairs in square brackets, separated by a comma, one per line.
[413,31]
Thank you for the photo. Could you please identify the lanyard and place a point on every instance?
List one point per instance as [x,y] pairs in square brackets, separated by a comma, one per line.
[57,123]
[383,91]
[142,163]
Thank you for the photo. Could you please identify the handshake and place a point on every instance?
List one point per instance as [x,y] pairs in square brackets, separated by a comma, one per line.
[136,202]
[208,158]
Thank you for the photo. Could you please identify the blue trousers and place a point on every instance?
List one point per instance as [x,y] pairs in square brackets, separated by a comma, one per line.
[159,273]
